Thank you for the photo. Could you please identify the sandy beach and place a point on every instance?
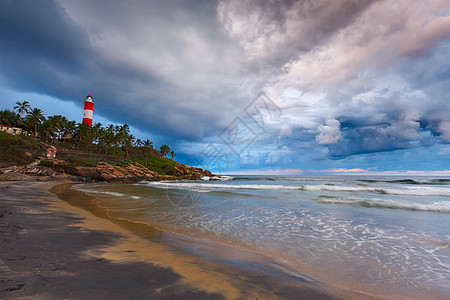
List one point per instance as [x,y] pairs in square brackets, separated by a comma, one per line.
[64,249]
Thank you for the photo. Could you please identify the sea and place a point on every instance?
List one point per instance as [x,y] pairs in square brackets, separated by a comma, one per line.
[384,236]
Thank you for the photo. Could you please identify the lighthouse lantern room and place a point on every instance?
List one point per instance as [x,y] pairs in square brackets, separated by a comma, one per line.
[88,110]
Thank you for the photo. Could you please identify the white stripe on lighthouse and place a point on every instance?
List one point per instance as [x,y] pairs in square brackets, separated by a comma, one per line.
[87,114]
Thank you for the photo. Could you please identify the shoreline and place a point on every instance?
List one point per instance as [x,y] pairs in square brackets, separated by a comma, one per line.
[203,247]
[74,253]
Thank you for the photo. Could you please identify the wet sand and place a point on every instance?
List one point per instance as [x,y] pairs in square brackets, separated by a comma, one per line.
[69,249]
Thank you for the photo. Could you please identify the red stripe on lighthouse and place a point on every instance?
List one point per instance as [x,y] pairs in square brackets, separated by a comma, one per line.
[88,110]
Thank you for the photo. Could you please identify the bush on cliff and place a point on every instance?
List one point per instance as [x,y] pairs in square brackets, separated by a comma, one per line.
[162,166]
[7,139]
[82,161]
[14,156]
[46,163]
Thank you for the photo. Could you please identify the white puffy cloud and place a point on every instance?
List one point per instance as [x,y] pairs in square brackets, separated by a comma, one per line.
[444,131]
[329,133]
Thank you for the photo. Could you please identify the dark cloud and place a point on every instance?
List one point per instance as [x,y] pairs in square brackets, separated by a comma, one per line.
[277,32]
[45,51]
[351,77]
[368,140]
[42,50]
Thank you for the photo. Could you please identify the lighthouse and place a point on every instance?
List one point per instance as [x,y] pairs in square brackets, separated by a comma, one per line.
[88,110]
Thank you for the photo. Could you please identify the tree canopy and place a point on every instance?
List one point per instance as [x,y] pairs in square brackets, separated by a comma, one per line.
[116,140]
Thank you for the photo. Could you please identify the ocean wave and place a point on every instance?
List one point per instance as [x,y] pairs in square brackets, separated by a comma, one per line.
[276,178]
[256,178]
[407,191]
[210,187]
[116,194]
[436,206]
[101,192]
[221,178]
[434,181]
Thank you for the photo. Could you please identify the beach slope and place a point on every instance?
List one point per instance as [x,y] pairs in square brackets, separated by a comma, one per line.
[52,250]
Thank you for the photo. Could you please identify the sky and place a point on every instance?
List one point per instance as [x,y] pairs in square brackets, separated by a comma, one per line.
[240,87]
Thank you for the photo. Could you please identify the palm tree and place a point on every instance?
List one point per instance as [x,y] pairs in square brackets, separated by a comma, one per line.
[124,132]
[37,117]
[22,107]
[69,129]
[148,145]
[138,143]
[3,117]
[123,137]
[83,135]
[164,150]
[58,123]
[48,130]
[97,131]
[128,143]
[172,154]
[108,136]
[116,137]
[10,118]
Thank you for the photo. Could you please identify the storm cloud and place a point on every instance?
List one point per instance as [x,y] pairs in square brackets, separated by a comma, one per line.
[354,80]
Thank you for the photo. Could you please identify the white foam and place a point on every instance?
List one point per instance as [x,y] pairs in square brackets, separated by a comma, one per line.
[220,187]
[421,191]
[220,178]
[331,241]
[409,191]
[101,192]
[225,178]
[438,206]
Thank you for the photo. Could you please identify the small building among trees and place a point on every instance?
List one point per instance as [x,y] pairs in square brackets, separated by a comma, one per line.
[13,130]
[51,152]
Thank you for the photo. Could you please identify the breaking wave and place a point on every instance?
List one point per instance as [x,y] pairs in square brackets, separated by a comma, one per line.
[436,206]
[211,187]
[434,181]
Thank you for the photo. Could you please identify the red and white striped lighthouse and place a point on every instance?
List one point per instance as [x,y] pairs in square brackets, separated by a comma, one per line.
[88,110]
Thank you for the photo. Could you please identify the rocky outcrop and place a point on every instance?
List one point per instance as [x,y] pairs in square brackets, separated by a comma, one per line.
[102,172]
[191,173]
[132,172]
[33,172]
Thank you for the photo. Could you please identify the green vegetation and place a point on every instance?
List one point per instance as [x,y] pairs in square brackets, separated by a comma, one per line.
[68,136]
[163,166]
[81,161]
[14,156]
[11,152]
[46,163]
[19,140]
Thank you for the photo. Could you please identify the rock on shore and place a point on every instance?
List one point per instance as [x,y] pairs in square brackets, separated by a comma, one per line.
[106,172]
